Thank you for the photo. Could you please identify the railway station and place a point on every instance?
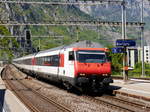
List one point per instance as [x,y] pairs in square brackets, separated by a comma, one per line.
[74,56]
[135,89]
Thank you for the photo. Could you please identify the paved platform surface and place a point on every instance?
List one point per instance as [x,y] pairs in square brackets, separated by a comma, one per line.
[8,101]
[133,87]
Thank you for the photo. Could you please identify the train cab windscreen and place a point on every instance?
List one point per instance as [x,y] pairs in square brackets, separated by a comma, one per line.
[91,56]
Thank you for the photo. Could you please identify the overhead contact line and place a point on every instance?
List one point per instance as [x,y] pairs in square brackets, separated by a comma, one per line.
[74,23]
[77,2]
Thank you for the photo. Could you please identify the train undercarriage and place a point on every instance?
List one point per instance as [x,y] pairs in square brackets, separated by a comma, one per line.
[90,84]
[94,83]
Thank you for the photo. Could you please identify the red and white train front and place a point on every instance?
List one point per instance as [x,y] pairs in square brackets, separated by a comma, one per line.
[90,67]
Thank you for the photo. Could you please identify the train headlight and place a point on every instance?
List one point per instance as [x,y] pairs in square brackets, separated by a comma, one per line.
[82,74]
[105,74]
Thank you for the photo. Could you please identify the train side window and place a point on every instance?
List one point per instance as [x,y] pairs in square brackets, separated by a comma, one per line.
[55,60]
[39,61]
[47,61]
[71,55]
[42,60]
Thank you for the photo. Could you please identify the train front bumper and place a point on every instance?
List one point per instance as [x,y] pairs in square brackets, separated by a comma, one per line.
[94,79]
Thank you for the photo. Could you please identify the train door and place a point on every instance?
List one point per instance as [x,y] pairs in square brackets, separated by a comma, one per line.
[33,63]
[69,63]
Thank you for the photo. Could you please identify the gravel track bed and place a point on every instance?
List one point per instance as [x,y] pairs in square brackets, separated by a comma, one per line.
[130,104]
[38,102]
[140,102]
[73,101]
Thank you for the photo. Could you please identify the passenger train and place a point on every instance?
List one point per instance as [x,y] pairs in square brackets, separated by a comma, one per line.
[81,65]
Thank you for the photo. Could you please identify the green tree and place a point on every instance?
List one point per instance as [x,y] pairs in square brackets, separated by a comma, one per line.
[6,44]
[117,61]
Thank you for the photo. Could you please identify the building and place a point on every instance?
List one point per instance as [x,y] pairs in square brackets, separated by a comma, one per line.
[132,56]
[147,54]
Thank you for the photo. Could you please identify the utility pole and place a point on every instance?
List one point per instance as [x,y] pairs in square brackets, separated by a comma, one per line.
[125,71]
[142,40]
[39,43]
[77,34]
[98,30]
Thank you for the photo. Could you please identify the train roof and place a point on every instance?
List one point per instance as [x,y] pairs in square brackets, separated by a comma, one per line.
[85,44]
[24,57]
[80,44]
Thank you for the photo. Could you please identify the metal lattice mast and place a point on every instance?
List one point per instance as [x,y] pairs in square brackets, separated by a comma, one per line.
[142,40]
[124,37]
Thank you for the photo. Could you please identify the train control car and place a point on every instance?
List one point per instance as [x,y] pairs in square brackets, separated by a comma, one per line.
[83,65]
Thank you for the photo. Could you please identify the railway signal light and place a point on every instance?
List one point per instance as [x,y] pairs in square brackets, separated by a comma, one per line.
[28,38]
[38,49]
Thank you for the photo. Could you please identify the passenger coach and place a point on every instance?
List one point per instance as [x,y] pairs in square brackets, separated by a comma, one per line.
[83,65]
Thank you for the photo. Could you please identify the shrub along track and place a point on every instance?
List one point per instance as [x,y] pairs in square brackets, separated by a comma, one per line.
[35,101]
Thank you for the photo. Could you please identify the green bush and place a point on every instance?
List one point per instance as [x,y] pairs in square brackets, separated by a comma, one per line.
[137,72]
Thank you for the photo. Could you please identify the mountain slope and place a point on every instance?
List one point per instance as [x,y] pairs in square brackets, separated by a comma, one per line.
[112,12]
[43,14]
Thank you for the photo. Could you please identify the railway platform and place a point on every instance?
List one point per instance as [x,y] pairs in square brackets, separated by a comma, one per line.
[139,89]
[135,88]
[8,101]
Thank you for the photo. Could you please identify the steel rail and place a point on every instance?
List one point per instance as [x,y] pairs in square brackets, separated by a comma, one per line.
[27,103]
[108,104]
[107,100]
[126,102]
[58,105]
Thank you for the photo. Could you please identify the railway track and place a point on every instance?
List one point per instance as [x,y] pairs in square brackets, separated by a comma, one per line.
[35,101]
[45,105]
[122,102]
[108,104]
[120,105]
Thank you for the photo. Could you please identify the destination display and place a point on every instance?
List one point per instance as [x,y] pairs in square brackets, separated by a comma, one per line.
[126,42]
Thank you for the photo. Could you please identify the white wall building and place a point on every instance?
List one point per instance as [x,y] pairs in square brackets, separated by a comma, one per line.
[147,54]
[135,55]
[132,54]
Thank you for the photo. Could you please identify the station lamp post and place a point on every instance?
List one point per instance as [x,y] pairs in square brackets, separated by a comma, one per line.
[125,71]
[142,40]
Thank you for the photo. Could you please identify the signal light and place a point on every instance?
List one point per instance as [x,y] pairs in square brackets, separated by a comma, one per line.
[28,37]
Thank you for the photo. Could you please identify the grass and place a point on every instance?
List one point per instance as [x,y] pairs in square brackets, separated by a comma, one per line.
[137,72]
